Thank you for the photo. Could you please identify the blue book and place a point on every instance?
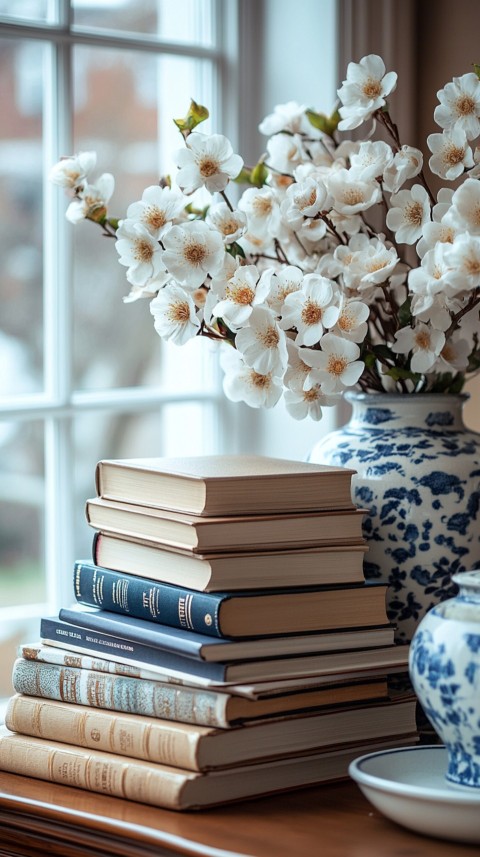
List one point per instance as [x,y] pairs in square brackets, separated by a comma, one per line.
[230,614]
[192,645]
[71,635]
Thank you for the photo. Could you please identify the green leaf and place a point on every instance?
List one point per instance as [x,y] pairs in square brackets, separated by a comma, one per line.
[369,359]
[244,177]
[476,69]
[383,351]
[196,113]
[326,124]
[259,174]
[397,373]
[235,250]
[405,313]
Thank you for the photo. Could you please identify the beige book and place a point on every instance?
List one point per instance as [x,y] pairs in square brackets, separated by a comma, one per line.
[204,748]
[219,572]
[235,532]
[174,788]
[225,484]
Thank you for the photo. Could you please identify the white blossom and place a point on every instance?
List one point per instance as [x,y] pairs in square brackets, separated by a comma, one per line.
[174,314]
[231,224]
[350,194]
[91,201]
[303,199]
[73,172]
[454,355]
[465,208]
[262,343]
[262,207]
[407,163]
[242,292]
[302,403]
[282,283]
[243,384]
[336,366]
[433,234]
[285,117]
[371,264]
[371,160]
[192,251]
[297,369]
[409,212]
[310,309]
[206,160]
[451,153]
[158,208]
[364,91]
[141,254]
[460,105]
[463,256]
[352,321]
[284,152]
[423,342]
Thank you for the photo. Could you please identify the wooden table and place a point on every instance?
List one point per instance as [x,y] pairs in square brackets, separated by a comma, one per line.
[39,819]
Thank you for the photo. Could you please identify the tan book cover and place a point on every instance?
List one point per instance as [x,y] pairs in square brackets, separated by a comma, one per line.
[239,532]
[225,484]
[220,572]
[204,748]
[176,788]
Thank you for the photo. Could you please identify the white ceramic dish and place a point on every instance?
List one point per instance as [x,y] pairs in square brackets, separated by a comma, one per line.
[408,786]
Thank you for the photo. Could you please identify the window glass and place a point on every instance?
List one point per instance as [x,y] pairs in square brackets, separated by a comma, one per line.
[124,109]
[190,428]
[27,10]
[21,513]
[176,20]
[21,222]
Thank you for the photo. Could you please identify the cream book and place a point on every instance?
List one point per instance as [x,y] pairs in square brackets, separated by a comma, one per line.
[230,533]
[225,484]
[220,572]
[175,788]
[204,748]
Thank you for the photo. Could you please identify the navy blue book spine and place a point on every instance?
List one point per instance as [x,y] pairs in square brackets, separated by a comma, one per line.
[156,602]
[150,633]
[68,633]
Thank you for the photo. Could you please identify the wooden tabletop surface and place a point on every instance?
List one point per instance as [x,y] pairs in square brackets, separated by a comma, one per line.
[39,819]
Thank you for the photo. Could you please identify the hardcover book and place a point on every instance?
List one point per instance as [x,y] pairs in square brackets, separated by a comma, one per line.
[233,533]
[75,636]
[169,702]
[225,484]
[204,748]
[115,664]
[366,605]
[174,788]
[259,613]
[219,572]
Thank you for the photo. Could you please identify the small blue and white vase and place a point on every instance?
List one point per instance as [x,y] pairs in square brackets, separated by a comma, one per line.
[444,664]
[418,475]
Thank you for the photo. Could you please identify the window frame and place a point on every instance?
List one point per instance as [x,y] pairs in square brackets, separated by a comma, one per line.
[59,403]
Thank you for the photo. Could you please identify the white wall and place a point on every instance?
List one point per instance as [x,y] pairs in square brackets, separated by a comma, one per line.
[296,60]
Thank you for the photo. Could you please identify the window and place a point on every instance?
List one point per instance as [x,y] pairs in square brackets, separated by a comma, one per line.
[82,375]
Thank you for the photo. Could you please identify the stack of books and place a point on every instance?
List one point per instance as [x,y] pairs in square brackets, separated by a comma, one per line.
[223,644]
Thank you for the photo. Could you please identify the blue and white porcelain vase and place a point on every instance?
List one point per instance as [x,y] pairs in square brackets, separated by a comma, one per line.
[444,663]
[418,475]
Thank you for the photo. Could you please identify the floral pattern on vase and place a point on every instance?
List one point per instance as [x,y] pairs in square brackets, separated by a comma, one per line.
[444,663]
[418,475]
